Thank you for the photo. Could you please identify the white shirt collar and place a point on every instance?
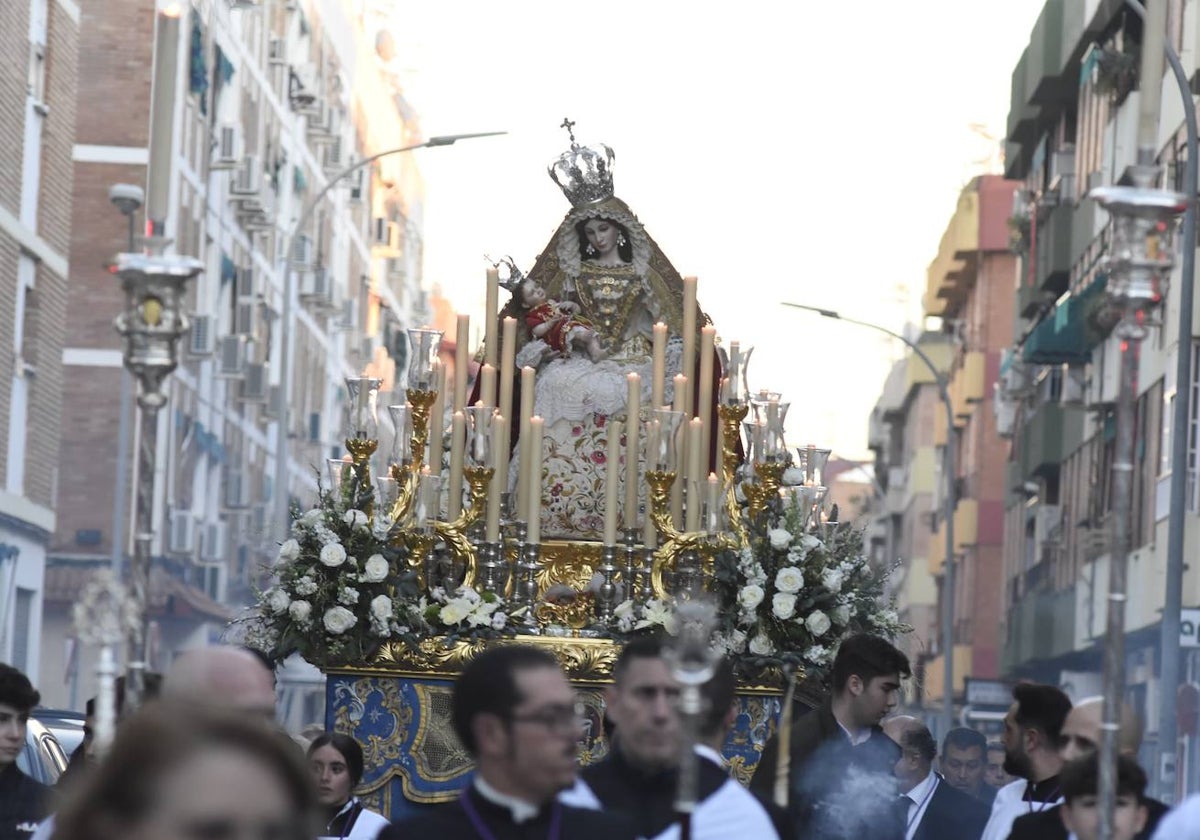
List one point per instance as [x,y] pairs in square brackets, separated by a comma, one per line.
[350,803]
[521,810]
[861,738]
[921,789]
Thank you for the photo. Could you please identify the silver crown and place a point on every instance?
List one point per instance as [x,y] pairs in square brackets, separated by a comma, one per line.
[584,173]
[513,278]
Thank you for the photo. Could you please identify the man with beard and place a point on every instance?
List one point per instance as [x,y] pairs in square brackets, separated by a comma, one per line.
[1080,739]
[962,762]
[516,714]
[840,763]
[640,775]
[1032,729]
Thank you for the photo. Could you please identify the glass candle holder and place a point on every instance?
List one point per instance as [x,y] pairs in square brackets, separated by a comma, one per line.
[479,435]
[361,403]
[662,440]
[424,346]
[401,416]
[811,462]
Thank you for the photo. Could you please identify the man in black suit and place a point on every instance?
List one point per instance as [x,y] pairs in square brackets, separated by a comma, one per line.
[929,807]
[1080,739]
[963,761]
[516,714]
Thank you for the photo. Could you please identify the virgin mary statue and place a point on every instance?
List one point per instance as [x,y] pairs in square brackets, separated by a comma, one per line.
[615,282]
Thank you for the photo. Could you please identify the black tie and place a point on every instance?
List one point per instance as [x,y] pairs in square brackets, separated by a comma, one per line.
[902,804]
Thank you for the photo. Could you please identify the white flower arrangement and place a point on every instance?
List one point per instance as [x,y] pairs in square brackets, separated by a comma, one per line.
[338,620]
[333,555]
[375,570]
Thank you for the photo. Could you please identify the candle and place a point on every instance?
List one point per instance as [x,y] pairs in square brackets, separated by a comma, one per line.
[534,491]
[458,442]
[810,464]
[660,365]
[704,408]
[649,531]
[487,385]
[633,403]
[508,341]
[712,522]
[437,425]
[612,483]
[692,523]
[680,449]
[491,310]
[732,375]
[527,387]
[772,432]
[499,478]
[462,338]
[689,335]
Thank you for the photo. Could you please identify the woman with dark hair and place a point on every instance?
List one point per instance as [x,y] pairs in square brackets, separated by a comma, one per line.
[336,763]
[178,773]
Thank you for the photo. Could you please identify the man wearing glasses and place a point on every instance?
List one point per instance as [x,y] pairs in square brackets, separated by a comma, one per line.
[516,714]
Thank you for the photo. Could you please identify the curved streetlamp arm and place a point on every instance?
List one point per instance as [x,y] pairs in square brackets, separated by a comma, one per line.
[280,488]
[949,504]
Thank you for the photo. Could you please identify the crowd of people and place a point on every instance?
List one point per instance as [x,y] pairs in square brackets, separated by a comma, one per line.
[204,760]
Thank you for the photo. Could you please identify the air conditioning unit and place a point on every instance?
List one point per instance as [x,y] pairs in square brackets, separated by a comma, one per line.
[259,222]
[247,178]
[246,283]
[1005,410]
[322,121]
[316,287]
[214,542]
[302,252]
[201,338]
[277,51]
[349,314]
[254,384]
[247,317]
[1074,386]
[302,87]
[231,357]
[270,409]
[237,489]
[229,147]
[181,539]
[332,159]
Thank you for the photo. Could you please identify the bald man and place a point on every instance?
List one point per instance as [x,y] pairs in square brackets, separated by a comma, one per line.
[929,807]
[1080,739]
[228,677]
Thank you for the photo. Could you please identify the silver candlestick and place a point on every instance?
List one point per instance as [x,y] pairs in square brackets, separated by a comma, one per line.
[632,562]
[645,590]
[606,598]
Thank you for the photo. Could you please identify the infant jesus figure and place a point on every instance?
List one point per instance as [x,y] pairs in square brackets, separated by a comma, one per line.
[556,323]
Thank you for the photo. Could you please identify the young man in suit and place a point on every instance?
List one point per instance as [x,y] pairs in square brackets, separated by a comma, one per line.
[516,714]
[929,807]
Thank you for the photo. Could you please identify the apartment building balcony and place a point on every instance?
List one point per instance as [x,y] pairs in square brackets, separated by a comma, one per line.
[966,388]
[896,499]
[1052,248]
[1041,624]
[1041,441]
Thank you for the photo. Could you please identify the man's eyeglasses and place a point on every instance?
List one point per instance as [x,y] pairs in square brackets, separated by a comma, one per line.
[559,720]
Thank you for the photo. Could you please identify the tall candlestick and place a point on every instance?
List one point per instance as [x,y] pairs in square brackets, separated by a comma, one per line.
[499,478]
[534,511]
[458,442]
[633,403]
[680,382]
[658,383]
[491,311]
[704,406]
[462,338]
[508,338]
[612,482]
[527,388]
[487,385]
[689,337]
[694,472]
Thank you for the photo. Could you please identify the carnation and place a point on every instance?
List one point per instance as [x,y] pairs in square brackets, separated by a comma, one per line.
[312,517]
[347,596]
[780,538]
[333,555]
[783,605]
[817,623]
[355,518]
[381,607]
[499,619]
[750,596]
[832,579]
[277,601]
[305,586]
[376,569]
[300,611]
[289,550]
[338,620]
[454,611]
[841,614]
[789,579]
[760,645]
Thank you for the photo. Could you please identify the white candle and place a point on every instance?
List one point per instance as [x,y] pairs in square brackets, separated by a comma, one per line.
[694,473]
[704,407]
[499,478]
[612,483]
[660,366]
[491,311]
[534,512]
[487,385]
[712,517]
[633,404]
[732,375]
[508,339]
[437,425]
[527,391]
[680,452]
[458,442]
[689,335]
[462,338]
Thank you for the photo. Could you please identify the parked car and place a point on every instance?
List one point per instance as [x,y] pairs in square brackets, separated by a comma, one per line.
[43,758]
[67,727]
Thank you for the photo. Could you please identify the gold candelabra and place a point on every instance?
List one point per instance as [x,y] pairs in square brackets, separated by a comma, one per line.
[759,494]
[361,450]
[672,542]
[731,424]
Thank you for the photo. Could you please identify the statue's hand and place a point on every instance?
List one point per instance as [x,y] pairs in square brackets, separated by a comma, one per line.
[569,307]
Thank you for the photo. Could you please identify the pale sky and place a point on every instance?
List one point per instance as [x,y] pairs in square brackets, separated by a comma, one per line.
[810,152]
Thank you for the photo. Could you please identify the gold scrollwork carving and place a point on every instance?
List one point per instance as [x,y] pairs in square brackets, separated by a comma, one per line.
[583,660]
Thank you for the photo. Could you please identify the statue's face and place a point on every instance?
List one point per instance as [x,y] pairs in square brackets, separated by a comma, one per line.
[602,234]
[533,294]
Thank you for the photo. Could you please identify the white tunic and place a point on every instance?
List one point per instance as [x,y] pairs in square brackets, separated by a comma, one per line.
[1009,804]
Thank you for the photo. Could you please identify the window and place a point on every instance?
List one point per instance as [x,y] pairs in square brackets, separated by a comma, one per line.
[22,617]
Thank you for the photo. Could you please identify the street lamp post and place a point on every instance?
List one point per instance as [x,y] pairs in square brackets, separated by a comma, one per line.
[289,290]
[949,503]
[151,324]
